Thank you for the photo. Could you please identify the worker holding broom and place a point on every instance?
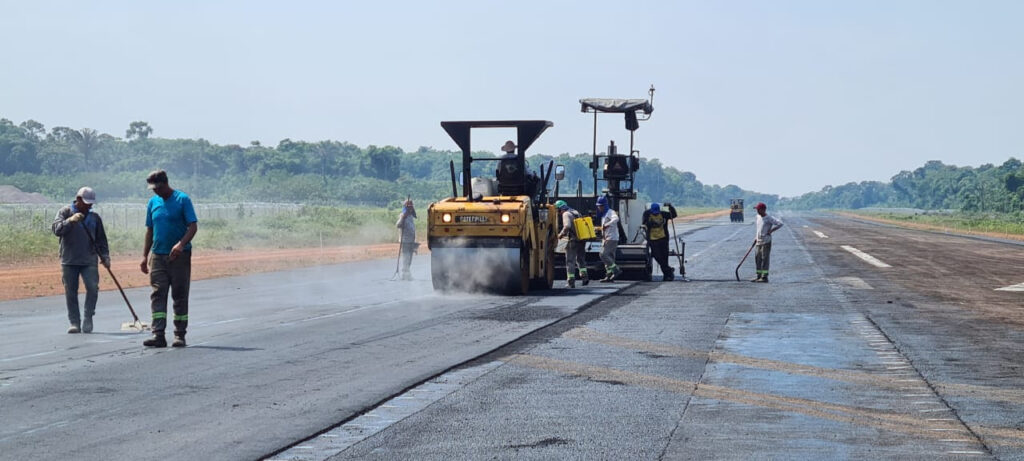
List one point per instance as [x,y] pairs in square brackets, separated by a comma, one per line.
[82,239]
[171,224]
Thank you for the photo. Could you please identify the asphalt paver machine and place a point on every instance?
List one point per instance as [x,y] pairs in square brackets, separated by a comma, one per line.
[499,234]
[614,176]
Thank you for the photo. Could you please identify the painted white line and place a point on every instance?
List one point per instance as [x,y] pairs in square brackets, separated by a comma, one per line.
[964,452]
[956,440]
[228,321]
[940,419]
[933,410]
[821,235]
[1017,287]
[697,254]
[866,257]
[11,359]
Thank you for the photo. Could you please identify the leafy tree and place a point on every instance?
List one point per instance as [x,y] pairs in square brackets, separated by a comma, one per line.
[138,130]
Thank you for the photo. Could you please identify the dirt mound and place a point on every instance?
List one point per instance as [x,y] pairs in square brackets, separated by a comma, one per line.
[11,194]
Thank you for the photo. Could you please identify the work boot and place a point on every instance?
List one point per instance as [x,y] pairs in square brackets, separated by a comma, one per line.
[764,278]
[87,324]
[669,275]
[73,329]
[608,279]
[155,341]
[179,341]
[586,281]
[572,283]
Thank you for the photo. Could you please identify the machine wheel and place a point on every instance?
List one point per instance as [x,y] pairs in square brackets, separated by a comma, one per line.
[547,280]
[437,276]
[519,283]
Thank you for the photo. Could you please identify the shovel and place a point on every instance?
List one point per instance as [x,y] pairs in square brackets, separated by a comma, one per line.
[744,259]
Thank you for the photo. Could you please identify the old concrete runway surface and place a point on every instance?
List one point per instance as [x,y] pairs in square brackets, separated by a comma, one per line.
[870,342]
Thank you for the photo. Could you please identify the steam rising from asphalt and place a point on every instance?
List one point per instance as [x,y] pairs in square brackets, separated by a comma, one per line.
[475,269]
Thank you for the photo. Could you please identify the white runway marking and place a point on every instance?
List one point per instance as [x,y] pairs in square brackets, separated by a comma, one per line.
[11,359]
[1017,287]
[820,234]
[697,254]
[866,257]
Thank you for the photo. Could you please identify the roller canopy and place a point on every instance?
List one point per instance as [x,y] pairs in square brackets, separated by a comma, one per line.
[527,131]
[615,105]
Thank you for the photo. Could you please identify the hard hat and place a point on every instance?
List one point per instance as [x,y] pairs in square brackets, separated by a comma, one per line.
[561,205]
[655,208]
[760,206]
[508,147]
[602,201]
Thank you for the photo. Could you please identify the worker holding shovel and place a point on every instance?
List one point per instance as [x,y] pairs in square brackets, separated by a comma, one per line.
[78,228]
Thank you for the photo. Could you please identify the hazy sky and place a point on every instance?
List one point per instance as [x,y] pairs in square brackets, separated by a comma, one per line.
[775,96]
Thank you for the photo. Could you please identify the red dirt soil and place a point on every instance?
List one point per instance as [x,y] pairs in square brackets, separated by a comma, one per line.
[42,278]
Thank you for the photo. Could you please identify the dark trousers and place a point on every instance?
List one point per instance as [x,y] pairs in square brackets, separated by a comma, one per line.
[174,277]
[91,276]
[659,250]
[762,258]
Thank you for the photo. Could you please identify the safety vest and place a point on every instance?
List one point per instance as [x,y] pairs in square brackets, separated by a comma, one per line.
[656,226]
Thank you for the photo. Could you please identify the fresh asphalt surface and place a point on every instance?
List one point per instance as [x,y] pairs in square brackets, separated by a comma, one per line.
[835,358]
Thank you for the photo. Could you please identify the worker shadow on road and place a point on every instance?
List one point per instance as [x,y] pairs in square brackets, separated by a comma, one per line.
[692,280]
[228,348]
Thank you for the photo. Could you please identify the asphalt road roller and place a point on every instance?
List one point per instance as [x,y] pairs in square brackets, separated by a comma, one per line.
[498,234]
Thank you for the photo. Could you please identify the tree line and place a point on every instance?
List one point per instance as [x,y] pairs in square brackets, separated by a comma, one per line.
[55,162]
[934,186]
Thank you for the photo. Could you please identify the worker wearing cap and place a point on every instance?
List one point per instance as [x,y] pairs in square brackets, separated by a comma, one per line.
[171,224]
[609,239]
[655,224]
[407,236]
[575,250]
[82,240]
[763,241]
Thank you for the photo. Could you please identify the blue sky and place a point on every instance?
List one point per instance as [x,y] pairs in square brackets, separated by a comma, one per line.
[780,97]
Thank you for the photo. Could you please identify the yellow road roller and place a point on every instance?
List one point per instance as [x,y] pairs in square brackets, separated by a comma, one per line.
[499,234]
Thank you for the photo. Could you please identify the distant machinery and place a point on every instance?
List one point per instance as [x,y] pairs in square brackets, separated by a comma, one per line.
[736,210]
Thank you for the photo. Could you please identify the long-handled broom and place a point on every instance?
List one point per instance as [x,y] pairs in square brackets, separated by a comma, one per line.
[135,325]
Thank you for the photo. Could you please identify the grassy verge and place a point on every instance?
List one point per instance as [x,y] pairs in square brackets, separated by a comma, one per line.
[305,227]
[995,225]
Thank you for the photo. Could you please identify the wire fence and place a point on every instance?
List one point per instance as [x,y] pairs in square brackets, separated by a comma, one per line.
[36,216]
